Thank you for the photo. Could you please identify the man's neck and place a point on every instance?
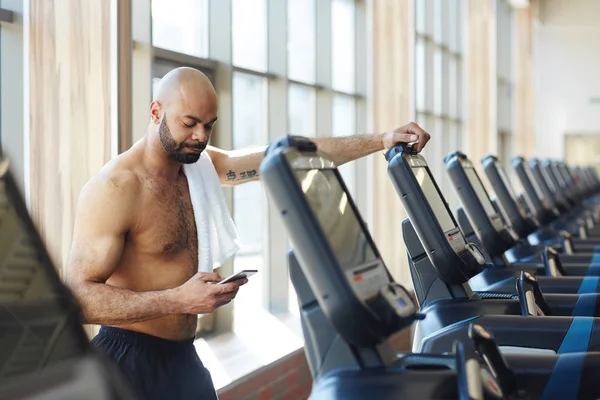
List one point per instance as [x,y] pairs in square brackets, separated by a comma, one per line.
[157,162]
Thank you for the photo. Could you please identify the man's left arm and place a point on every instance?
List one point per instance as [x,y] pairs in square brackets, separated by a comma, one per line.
[239,166]
[349,148]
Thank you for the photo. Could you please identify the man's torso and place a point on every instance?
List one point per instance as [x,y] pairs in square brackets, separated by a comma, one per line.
[160,250]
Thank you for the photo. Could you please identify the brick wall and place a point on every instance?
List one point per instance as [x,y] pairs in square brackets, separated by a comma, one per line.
[288,378]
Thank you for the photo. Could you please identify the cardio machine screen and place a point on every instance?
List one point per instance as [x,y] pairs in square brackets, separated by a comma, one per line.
[337,218]
[548,179]
[536,187]
[559,177]
[434,198]
[480,192]
[506,182]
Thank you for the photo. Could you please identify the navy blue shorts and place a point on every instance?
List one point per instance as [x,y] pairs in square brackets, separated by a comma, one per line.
[157,368]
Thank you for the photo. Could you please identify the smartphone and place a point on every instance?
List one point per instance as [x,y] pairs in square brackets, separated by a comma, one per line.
[240,275]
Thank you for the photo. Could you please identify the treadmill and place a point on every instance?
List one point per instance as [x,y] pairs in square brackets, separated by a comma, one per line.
[500,241]
[442,263]
[523,219]
[576,222]
[545,214]
[350,305]
[527,227]
[44,351]
[575,227]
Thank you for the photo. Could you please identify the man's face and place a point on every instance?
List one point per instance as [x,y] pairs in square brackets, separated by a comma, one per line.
[185,131]
[186,151]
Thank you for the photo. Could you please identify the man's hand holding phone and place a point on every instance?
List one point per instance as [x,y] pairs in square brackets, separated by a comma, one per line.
[200,294]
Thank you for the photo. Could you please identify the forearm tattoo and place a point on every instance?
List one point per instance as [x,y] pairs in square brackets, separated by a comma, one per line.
[233,177]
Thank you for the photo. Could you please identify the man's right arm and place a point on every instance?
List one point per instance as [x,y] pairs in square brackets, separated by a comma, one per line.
[103,217]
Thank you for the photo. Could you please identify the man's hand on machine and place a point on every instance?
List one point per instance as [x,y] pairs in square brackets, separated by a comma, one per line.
[201,295]
[409,133]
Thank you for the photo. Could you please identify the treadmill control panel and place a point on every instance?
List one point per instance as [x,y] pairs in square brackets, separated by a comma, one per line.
[456,240]
[367,280]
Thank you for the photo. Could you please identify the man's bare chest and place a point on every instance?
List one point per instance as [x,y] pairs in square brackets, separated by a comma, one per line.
[166,219]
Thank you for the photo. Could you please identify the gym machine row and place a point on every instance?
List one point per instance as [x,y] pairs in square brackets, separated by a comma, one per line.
[506,292]
[505,300]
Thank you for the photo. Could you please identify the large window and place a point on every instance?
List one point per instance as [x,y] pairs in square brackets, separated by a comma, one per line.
[12,138]
[343,28]
[249,129]
[301,42]
[249,30]
[439,81]
[505,79]
[184,31]
[272,78]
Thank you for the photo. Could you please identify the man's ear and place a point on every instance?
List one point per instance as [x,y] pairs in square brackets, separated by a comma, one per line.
[155,112]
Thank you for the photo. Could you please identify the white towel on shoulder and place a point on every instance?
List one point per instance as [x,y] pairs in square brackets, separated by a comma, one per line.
[217,236]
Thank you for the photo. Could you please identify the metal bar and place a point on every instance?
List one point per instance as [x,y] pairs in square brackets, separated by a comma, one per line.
[184,59]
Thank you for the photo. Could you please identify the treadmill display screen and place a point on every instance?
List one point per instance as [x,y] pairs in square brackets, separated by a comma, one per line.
[337,218]
[548,179]
[433,197]
[480,192]
[536,186]
[559,177]
[506,182]
[534,182]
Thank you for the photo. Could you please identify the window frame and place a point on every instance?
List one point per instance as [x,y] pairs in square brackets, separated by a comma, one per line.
[505,76]
[432,105]
[275,296]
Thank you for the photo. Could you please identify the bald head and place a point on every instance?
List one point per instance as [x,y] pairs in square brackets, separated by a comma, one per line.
[182,82]
[183,112]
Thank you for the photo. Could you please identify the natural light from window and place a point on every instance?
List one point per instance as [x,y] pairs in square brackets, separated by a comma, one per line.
[182,28]
[249,130]
[343,45]
[301,40]
[249,31]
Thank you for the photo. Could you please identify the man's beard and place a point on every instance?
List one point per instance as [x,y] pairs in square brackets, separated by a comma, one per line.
[175,151]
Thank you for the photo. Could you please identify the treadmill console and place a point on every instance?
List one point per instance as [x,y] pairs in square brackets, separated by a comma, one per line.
[495,236]
[545,184]
[423,176]
[481,193]
[509,202]
[333,245]
[528,180]
[455,260]
[554,183]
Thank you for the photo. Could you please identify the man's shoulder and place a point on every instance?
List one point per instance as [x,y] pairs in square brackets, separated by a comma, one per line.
[116,178]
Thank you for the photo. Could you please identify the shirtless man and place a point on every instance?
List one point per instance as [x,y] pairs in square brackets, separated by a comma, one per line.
[133,260]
